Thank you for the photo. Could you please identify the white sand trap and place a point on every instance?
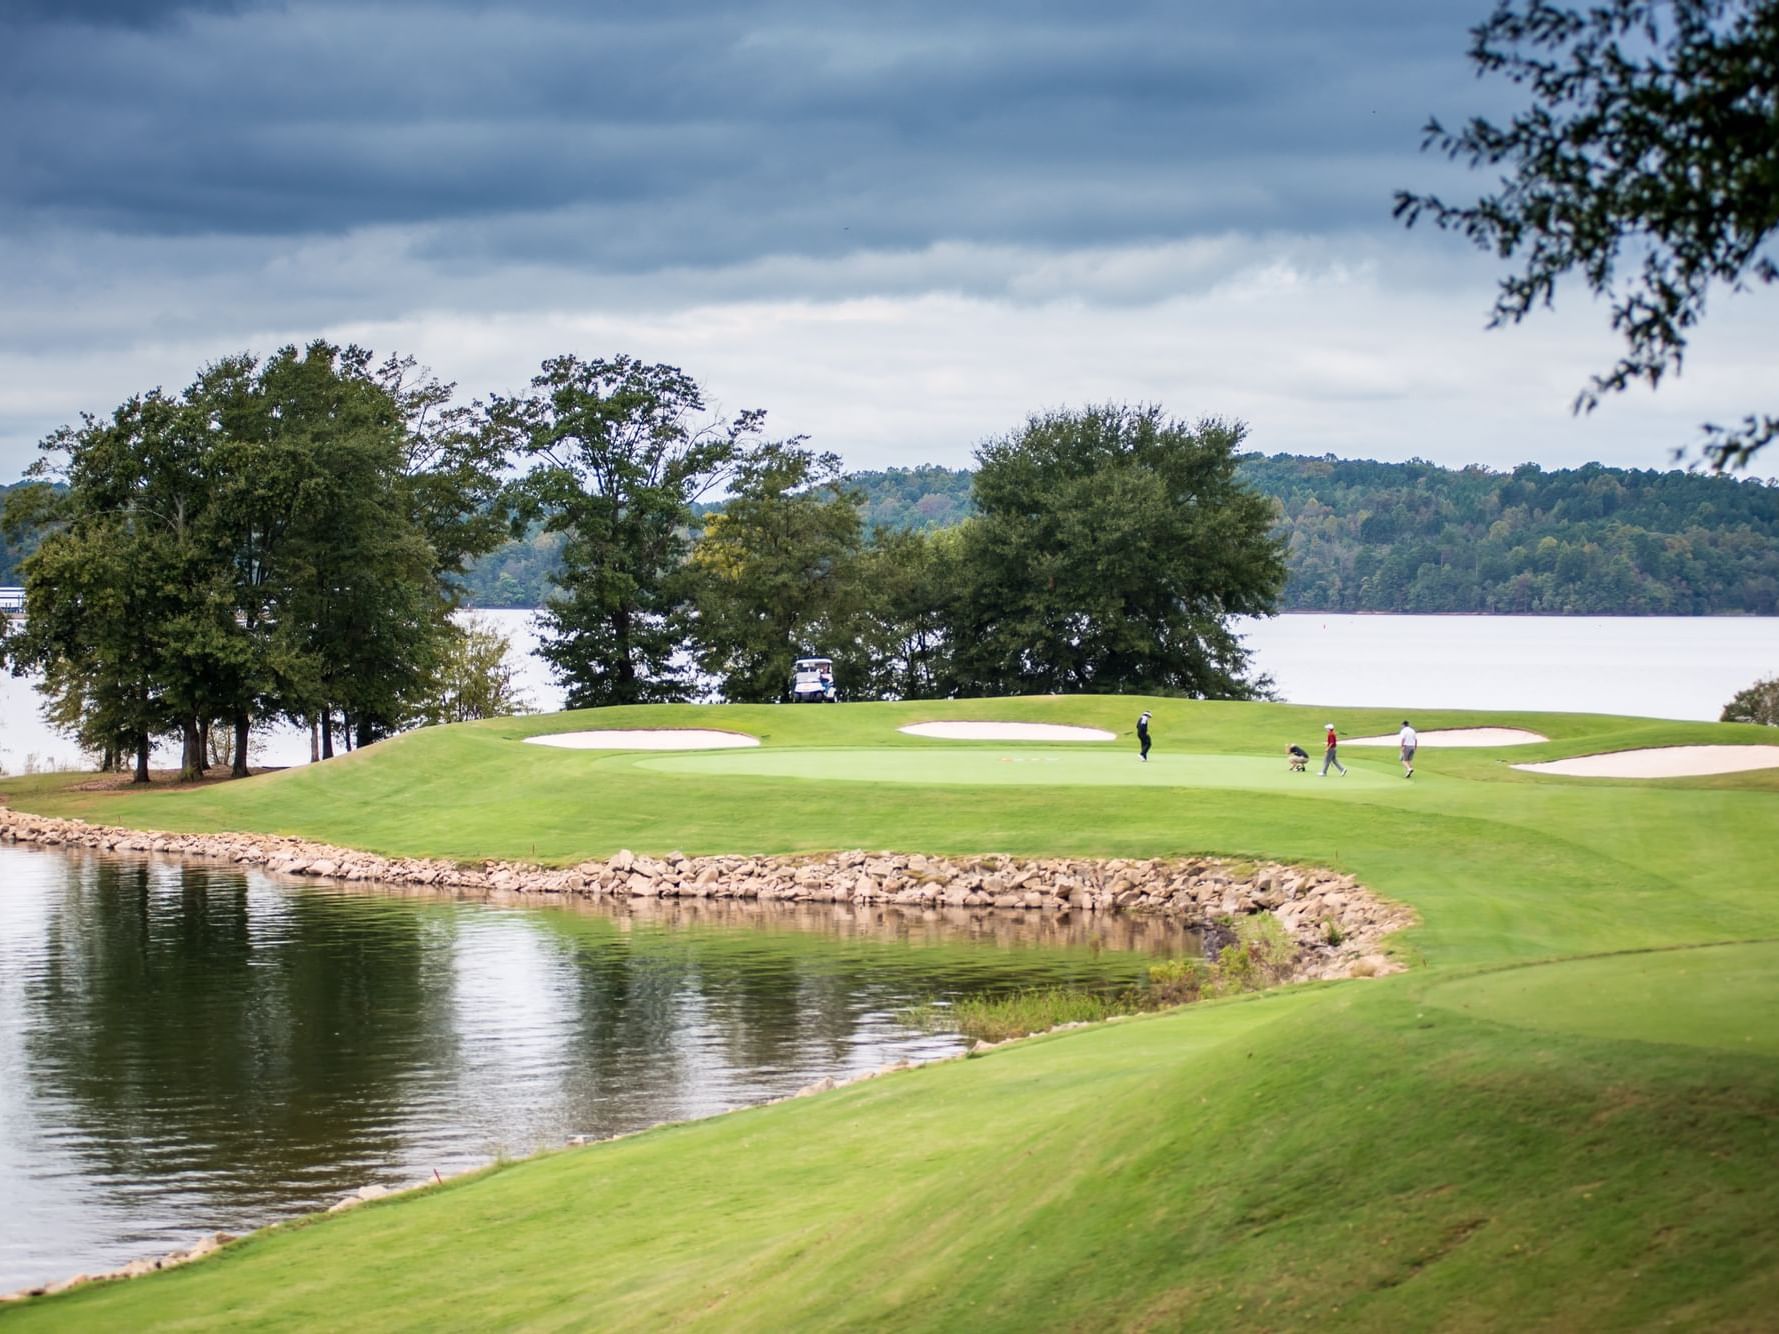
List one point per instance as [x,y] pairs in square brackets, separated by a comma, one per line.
[1662,762]
[1458,736]
[656,738]
[1007,732]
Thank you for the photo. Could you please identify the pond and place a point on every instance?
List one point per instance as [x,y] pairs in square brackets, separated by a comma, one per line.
[187,1048]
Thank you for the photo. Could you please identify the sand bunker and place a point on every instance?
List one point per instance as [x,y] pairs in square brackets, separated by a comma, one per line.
[1007,732]
[659,738]
[1662,762]
[1458,736]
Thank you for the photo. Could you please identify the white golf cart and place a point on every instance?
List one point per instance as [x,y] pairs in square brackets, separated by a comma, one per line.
[812,681]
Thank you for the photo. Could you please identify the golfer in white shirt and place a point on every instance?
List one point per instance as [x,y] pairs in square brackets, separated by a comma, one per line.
[1409,741]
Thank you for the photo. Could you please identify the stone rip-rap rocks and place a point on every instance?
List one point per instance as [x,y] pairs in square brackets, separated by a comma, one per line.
[1338,924]
[206,1245]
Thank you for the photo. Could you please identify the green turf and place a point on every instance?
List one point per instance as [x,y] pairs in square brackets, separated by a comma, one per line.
[1724,996]
[1559,1118]
[994,766]
[1328,1159]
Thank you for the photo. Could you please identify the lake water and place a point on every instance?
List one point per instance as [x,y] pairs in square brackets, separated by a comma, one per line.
[1659,667]
[189,1048]
[1650,666]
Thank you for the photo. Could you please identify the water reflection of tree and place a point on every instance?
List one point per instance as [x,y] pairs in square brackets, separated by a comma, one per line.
[682,1007]
[201,1042]
[217,1048]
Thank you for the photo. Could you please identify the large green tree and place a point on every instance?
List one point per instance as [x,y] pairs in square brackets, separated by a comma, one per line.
[261,544]
[259,483]
[618,451]
[88,639]
[340,590]
[129,624]
[1111,547]
[777,577]
[363,577]
[1647,165]
[908,595]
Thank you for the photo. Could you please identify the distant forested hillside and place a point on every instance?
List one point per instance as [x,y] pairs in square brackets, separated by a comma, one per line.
[914,498]
[1415,537]
[517,574]
[12,552]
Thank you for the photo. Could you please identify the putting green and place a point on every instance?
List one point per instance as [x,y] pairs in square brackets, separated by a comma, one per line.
[1722,996]
[1027,766]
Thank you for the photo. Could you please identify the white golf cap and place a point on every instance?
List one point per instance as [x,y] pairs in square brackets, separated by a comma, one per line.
[1327,727]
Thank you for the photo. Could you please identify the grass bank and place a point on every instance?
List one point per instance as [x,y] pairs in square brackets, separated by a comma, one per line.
[1568,1117]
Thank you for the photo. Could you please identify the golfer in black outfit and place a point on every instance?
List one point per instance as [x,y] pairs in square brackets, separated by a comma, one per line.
[1143,737]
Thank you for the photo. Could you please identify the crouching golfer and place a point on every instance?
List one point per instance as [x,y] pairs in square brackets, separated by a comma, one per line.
[1409,741]
[1143,736]
[1299,758]
[1331,753]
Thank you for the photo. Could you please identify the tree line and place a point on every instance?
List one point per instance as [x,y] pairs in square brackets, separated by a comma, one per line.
[1412,537]
[1108,548]
[287,538]
[1415,537]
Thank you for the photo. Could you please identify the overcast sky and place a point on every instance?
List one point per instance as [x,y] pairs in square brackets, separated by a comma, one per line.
[900,229]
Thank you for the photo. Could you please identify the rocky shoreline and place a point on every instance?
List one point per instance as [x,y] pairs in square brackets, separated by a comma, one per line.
[205,1245]
[1338,924]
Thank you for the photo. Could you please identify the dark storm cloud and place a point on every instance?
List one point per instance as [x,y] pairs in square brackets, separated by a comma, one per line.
[115,13]
[635,137]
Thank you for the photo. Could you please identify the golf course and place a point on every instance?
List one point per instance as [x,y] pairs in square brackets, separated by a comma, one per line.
[1563,1113]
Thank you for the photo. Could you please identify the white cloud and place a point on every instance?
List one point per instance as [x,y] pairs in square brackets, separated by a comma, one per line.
[1326,344]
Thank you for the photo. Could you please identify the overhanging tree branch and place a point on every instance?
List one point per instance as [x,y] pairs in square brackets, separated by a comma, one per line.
[1647,164]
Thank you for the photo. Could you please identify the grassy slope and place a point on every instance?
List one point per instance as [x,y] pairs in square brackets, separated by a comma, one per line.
[1562,1145]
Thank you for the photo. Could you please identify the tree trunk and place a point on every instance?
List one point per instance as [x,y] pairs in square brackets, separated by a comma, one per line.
[365,736]
[346,730]
[327,733]
[191,760]
[242,723]
[204,746]
[314,740]
[141,758]
[625,674]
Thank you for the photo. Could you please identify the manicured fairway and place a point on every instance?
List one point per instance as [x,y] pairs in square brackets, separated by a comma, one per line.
[994,766]
[1345,1157]
[1562,1116]
[1724,996]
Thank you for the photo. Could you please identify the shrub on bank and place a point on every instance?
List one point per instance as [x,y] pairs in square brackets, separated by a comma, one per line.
[1260,954]
[997,1018]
